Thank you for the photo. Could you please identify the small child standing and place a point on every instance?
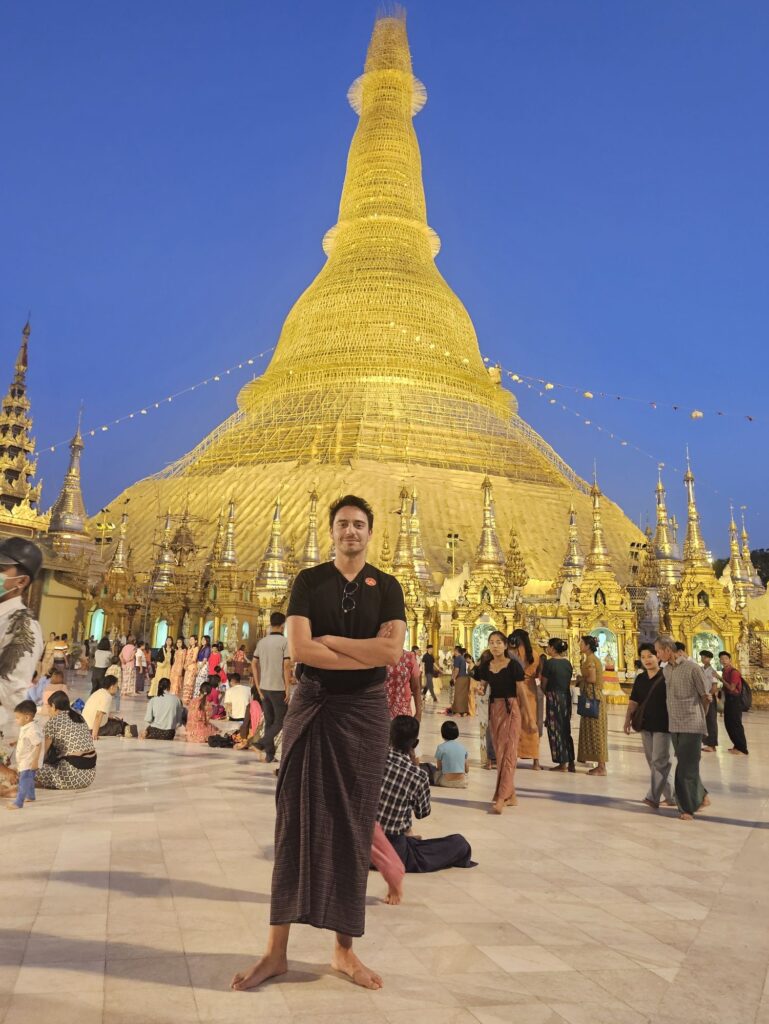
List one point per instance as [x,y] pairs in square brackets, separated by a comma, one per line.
[28,748]
[452,762]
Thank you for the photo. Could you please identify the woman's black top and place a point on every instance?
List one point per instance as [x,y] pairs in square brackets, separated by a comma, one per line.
[502,684]
[557,674]
[655,718]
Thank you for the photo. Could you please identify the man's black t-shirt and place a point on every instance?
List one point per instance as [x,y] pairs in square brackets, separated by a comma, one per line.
[373,597]
[656,711]
[429,663]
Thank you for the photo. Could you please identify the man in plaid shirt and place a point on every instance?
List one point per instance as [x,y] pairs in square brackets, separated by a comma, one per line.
[405,787]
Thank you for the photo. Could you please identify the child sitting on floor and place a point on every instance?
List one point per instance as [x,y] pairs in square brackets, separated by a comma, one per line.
[452,761]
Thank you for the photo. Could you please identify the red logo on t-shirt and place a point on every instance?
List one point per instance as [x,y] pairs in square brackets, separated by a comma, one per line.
[370,581]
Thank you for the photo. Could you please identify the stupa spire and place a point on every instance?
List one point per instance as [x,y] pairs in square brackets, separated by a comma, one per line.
[311,552]
[119,560]
[68,511]
[229,558]
[385,562]
[272,572]
[665,547]
[418,559]
[598,558]
[574,561]
[489,554]
[737,572]
[515,566]
[165,565]
[17,446]
[402,559]
[694,546]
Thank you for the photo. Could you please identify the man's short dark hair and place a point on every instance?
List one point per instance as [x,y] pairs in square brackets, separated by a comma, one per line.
[404,733]
[354,501]
[680,646]
[450,731]
[647,647]
[163,686]
[429,647]
[277,619]
[26,707]
[721,654]
[706,654]
[415,648]
[235,677]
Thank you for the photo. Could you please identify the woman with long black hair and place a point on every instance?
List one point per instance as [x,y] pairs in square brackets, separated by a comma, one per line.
[556,682]
[520,648]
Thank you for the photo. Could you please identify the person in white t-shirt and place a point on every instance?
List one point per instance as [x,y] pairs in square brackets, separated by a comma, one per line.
[97,713]
[237,698]
[712,679]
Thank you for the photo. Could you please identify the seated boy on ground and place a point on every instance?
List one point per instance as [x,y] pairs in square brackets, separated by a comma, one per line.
[452,761]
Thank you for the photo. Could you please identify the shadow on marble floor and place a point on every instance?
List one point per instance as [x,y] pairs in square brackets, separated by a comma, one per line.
[139,884]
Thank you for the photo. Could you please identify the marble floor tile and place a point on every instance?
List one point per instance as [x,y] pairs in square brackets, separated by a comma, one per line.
[142,897]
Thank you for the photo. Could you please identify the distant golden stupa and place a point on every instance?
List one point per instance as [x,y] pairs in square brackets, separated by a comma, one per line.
[377,386]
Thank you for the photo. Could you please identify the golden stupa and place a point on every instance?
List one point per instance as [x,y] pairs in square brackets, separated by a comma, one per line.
[377,383]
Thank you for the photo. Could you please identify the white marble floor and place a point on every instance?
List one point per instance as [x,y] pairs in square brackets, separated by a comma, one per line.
[138,899]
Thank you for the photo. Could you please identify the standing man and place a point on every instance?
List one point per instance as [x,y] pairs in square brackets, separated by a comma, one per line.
[733,704]
[712,680]
[428,663]
[272,672]
[346,622]
[21,639]
[687,697]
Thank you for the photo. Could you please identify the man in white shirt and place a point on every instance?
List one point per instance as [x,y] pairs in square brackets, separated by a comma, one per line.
[21,640]
[97,713]
[237,698]
[712,679]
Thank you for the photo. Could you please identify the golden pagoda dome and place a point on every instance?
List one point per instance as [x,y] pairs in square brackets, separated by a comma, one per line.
[377,384]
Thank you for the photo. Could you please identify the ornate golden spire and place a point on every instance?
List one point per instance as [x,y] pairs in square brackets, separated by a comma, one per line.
[119,561]
[17,446]
[574,561]
[694,546]
[272,572]
[311,552]
[515,566]
[165,566]
[669,567]
[218,546]
[417,551]
[649,569]
[402,559]
[229,558]
[489,554]
[738,574]
[598,558]
[385,562]
[68,511]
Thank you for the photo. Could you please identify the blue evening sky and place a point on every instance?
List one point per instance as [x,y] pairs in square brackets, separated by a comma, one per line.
[597,172]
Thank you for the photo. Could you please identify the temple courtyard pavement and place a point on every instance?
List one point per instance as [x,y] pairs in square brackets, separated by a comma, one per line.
[137,900]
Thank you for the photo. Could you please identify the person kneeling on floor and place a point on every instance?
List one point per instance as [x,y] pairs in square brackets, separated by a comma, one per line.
[406,791]
[97,712]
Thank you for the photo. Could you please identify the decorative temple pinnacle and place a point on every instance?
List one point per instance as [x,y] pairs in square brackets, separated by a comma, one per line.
[218,545]
[183,543]
[515,566]
[489,554]
[402,559]
[311,552]
[163,577]
[17,446]
[272,572]
[385,554]
[574,560]
[695,553]
[119,560]
[418,559]
[756,586]
[598,558]
[738,573]
[68,514]
[665,546]
[229,557]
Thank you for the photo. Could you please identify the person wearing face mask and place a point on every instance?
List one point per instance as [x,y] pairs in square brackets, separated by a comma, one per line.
[21,639]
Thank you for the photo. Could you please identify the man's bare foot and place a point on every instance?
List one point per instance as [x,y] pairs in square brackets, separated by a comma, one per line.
[346,962]
[709,750]
[394,894]
[265,967]
[705,802]
[597,771]
[559,768]
[686,817]
[651,803]
[12,807]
